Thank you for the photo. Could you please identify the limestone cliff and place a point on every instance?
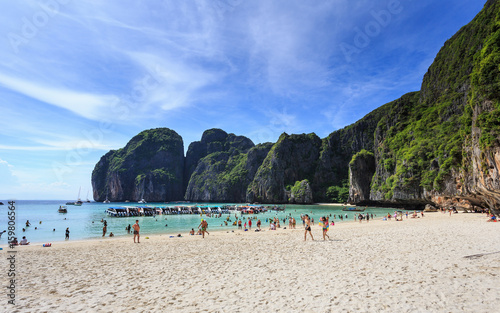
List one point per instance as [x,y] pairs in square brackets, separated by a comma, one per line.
[441,145]
[225,176]
[150,166]
[228,167]
[293,158]
[331,174]
[301,193]
[361,170]
[212,141]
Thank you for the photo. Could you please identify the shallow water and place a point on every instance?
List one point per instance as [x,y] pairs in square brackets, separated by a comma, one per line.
[84,222]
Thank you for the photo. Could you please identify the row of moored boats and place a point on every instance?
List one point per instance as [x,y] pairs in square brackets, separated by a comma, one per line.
[125,211]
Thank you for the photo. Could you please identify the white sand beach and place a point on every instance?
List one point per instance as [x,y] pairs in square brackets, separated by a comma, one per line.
[416,265]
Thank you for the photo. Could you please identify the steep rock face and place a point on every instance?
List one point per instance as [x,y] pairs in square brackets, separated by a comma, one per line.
[400,163]
[361,170]
[150,166]
[301,193]
[293,158]
[212,141]
[228,167]
[337,150]
[441,145]
[483,183]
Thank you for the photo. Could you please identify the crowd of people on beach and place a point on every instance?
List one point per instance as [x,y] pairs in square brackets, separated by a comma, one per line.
[245,223]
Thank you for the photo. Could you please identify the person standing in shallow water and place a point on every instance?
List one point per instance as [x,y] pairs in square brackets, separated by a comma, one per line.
[308,227]
[67,234]
[136,228]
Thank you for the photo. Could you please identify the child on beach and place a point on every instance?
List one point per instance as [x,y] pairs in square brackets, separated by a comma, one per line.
[325,227]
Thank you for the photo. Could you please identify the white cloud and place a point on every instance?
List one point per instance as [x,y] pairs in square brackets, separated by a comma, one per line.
[7,178]
[84,104]
[167,83]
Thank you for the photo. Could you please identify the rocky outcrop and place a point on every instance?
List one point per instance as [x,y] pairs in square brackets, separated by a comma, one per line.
[397,176]
[480,184]
[224,173]
[301,193]
[337,150]
[361,170]
[212,141]
[150,166]
[430,208]
[293,158]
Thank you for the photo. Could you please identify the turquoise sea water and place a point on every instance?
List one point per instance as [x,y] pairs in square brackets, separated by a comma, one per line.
[84,221]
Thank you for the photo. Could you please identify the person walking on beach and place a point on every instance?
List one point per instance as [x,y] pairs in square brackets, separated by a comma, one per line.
[204,225]
[325,227]
[136,228]
[67,234]
[258,224]
[249,224]
[308,227]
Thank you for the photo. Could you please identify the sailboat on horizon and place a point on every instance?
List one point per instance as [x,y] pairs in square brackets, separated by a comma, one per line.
[78,202]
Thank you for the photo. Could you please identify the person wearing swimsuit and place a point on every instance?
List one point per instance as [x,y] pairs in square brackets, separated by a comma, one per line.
[204,225]
[308,227]
[325,227]
[136,230]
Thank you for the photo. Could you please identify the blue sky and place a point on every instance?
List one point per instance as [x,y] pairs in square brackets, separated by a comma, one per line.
[78,78]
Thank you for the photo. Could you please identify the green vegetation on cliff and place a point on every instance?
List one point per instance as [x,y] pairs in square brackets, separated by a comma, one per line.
[426,144]
[338,194]
[486,82]
[154,157]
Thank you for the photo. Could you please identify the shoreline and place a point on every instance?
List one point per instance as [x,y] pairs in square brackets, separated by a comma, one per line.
[185,233]
[229,230]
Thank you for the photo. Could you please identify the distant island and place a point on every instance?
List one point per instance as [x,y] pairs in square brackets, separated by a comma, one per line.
[437,147]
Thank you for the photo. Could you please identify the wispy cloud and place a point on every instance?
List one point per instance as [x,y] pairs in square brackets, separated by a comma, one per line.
[168,83]
[81,103]
[8,178]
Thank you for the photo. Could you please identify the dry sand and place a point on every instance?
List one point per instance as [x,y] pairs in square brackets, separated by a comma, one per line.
[417,265]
